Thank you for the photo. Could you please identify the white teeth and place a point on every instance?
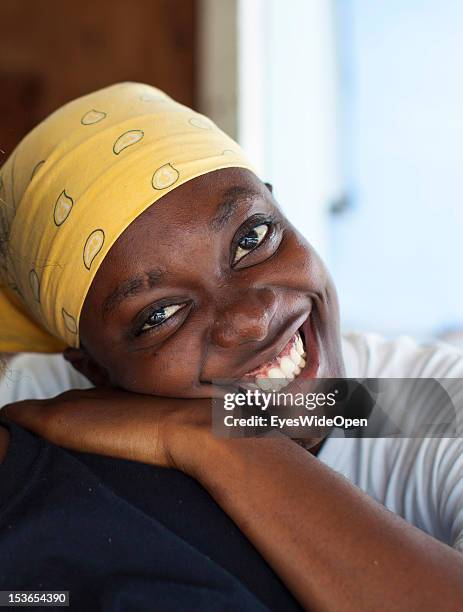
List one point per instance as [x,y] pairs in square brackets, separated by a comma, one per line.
[287,366]
[299,346]
[295,355]
[275,373]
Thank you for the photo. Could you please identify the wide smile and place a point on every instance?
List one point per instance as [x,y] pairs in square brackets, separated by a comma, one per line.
[298,359]
[293,361]
[281,370]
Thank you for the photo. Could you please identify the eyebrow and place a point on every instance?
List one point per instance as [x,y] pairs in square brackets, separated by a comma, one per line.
[131,287]
[232,198]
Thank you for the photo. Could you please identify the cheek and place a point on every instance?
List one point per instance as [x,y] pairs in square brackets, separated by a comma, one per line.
[306,272]
[301,265]
[161,373]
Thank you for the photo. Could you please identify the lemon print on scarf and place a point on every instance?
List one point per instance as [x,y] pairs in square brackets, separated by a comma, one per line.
[69,321]
[92,247]
[165,176]
[127,139]
[37,168]
[201,122]
[92,117]
[63,207]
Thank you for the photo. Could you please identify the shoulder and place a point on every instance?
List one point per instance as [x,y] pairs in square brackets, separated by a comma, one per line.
[374,356]
[4,442]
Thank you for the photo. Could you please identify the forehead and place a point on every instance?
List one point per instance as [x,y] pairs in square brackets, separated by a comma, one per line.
[187,213]
[208,200]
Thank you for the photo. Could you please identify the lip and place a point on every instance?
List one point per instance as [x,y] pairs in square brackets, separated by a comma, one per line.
[253,374]
[312,364]
[303,381]
[303,323]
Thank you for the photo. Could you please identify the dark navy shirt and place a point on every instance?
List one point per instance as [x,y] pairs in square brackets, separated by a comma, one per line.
[122,536]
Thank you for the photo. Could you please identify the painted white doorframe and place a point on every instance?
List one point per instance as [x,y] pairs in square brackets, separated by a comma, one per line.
[268,77]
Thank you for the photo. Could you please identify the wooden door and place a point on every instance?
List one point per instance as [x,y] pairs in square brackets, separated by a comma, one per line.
[53,51]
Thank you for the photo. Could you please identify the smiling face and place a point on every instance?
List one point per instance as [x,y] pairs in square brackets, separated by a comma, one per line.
[211,282]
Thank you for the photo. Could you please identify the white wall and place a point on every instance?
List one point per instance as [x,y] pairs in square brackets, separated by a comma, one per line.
[284,74]
[396,256]
[218,88]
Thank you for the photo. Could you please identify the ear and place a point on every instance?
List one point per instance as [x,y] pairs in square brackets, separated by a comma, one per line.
[83,363]
[269,187]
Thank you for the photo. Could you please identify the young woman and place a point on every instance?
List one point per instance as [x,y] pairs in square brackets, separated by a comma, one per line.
[139,241]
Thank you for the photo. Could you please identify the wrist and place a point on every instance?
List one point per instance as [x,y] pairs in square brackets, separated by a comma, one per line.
[186,433]
[219,463]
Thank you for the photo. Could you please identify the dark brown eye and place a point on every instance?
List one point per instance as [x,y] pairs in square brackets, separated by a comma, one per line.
[250,241]
[160,316]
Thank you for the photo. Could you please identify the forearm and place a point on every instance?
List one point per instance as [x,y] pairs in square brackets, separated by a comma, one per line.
[333,546]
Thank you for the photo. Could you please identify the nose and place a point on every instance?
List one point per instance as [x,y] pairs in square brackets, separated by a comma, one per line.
[245,318]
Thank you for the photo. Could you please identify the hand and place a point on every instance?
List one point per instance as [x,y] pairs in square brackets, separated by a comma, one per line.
[155,430]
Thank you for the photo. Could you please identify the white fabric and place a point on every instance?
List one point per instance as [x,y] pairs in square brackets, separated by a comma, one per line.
[38,376]
[418,479]
[421,480]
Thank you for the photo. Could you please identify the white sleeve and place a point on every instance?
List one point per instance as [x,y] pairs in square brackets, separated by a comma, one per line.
[38,376]
[373,356]
[422,478]
[448,489]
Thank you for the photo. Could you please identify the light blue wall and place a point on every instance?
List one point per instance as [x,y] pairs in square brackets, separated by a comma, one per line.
[397,254]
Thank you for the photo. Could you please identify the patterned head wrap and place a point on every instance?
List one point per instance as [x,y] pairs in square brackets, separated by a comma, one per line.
[74,184]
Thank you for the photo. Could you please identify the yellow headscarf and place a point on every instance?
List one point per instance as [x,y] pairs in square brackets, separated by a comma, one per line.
[73,185]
